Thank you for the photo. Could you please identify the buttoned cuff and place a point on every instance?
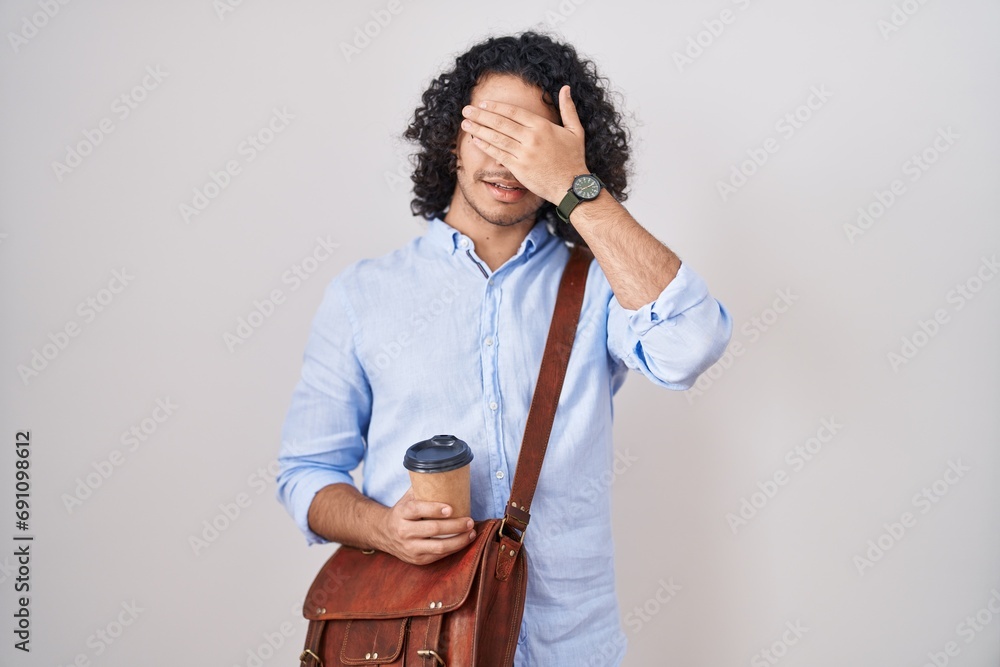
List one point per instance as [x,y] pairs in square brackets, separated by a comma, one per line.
[687,289]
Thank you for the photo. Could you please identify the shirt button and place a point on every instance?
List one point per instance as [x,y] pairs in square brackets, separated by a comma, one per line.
[491,281]
[464,243]
[499,474]
[493,405]
[489,340]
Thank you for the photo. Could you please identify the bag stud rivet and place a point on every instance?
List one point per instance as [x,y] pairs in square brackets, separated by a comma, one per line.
[368,656]
[511,553]
[432,605]
[321,610]
[374,656]
[439,604]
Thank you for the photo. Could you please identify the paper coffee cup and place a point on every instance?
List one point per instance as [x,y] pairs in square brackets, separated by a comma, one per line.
[439,471]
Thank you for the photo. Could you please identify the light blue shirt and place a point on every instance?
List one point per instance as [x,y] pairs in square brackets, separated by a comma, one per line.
[427,340]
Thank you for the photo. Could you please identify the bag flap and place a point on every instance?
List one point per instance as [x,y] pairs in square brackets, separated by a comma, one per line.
[368,642]
[353,584]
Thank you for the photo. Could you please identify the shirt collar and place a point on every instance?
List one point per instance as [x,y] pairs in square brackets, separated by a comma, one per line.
[449,239]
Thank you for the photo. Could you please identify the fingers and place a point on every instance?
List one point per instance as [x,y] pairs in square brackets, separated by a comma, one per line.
[494,137]
[567,110]
[413,510]
[448,545]
[503,117]
[500,156]
[419,541]
[431,529]
[423,551]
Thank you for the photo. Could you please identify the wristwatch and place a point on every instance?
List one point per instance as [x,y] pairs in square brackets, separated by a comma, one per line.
[585,187]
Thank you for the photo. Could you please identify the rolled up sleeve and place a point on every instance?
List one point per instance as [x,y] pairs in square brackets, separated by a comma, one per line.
[323,436]
[676,337]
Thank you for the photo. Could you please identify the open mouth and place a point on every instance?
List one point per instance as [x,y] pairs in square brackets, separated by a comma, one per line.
[505,192]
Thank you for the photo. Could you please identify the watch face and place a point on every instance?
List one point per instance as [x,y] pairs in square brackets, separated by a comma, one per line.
[586,187]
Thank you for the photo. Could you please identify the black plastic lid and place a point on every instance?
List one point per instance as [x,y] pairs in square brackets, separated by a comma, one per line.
[439,454]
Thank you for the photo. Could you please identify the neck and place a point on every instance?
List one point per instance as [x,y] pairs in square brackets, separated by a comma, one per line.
[495,244]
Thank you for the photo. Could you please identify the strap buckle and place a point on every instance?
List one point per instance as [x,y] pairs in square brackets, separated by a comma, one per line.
[500,533]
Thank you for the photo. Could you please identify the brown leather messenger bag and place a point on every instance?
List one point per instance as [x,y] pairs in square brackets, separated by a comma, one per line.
[463,610]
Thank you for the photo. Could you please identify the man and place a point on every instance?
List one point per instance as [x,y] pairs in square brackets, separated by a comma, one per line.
[445,335]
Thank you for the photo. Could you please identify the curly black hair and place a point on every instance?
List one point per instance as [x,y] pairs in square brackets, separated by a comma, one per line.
[538,60]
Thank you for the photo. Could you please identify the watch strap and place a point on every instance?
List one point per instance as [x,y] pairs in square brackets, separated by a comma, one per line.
[566,206]
[570,200]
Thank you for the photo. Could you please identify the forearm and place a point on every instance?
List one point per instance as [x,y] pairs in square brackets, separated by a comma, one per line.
[638,266]
[340,513]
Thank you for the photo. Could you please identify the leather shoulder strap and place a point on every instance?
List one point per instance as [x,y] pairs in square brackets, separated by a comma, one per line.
[544,401]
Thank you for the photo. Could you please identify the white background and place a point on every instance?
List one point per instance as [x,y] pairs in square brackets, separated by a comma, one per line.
[338,170]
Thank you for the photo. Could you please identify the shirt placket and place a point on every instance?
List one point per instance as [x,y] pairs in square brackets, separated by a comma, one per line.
[493,408]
